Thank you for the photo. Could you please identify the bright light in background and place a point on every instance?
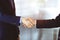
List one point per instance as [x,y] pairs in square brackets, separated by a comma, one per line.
[33,7]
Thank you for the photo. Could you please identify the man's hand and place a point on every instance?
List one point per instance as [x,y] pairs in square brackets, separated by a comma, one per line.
[28,22]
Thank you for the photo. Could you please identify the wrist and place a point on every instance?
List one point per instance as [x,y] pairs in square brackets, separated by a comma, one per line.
[35,22]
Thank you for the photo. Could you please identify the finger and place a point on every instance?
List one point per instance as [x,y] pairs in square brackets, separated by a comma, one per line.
[29,24]
[24,25]
[31,20]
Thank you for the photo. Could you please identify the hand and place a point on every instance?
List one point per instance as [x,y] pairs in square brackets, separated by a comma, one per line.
[28,22]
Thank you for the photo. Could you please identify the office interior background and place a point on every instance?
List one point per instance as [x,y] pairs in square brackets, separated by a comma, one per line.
[38,9]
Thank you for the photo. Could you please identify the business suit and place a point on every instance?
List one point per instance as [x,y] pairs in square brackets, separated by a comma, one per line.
[8,31]
[52,23]
[7,8]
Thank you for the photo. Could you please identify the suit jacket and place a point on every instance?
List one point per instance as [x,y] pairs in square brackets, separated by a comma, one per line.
[51,23]
[8,31]
[7,9]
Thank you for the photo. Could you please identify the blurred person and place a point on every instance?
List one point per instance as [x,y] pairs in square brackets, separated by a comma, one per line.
[51,23]
[9,22]
[8,29]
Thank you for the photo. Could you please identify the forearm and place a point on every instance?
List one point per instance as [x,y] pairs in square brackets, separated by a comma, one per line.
[46,23]
[10,19]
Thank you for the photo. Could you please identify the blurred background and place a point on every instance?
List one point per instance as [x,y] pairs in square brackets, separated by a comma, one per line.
[38,9]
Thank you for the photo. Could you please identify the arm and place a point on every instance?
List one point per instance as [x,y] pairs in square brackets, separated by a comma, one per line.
[48,23]
[10,19]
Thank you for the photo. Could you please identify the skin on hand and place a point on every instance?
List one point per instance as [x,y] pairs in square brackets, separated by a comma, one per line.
[28,22]
[32,20]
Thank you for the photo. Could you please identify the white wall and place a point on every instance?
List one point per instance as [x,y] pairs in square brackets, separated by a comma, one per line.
[34,7]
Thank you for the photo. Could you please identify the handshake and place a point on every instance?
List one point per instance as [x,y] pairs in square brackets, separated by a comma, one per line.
[28,22]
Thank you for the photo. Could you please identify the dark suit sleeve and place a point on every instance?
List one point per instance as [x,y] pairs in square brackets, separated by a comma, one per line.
[10,19]
[49,23]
